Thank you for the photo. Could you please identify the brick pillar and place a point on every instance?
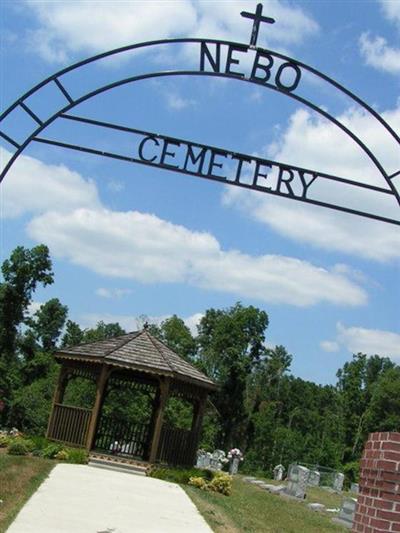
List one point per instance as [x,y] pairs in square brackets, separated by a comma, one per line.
[378,503]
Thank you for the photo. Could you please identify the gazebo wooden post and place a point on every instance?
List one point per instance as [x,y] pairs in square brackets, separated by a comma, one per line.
[158,419]
[58,394]
[101,385]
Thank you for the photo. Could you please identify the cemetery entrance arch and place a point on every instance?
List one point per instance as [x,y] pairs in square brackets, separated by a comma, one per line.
[217,58]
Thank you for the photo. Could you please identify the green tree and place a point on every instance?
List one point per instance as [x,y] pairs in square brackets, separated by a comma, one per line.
[383,412]
[22,272]
[47,323]
[231,345]
[73,334]
[174,332]
[102,331]
[356,382]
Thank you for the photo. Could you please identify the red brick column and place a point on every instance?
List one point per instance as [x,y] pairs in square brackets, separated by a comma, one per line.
[378,503]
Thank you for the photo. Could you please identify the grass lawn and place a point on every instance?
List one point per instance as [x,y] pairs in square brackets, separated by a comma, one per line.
[250,508]
[19,478]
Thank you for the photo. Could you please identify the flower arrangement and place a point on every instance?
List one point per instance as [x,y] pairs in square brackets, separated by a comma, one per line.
[235,453]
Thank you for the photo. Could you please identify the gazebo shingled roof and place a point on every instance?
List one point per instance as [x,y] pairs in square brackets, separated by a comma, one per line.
[138,350]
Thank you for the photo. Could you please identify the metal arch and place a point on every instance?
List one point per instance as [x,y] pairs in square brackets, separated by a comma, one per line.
[72,103]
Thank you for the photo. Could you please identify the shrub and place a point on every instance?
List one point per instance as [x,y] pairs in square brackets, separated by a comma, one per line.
[221,483]
[51,451]
[29,444]
[39,443]
[351,472]
[18,447]
[62,455]
[178,475]
[198,482]
[4,441]
[78,456]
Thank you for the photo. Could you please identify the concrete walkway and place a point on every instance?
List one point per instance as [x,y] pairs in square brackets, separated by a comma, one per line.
[82,499]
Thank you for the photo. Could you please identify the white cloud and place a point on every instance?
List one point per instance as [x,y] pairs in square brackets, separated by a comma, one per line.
[88,26]
[315,143]
[145,248]
[375,50]
[33,187]
[379,54]
[177,103]
[193,321]
[115,186]
[391,9]
[329,346]
[112,293]
[33,307]
[369,341]
[70,219]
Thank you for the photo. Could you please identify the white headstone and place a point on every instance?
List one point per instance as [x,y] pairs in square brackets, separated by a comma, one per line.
[314,478]
[348,510]
[234,465]
[217,459]
[355,488]
[338,482]
[278,472]
[203,459]
[298,478]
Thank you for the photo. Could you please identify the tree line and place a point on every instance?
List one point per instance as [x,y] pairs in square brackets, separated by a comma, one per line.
[260,407]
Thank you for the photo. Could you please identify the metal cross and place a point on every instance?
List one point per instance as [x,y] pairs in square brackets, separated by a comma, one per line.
[257,17]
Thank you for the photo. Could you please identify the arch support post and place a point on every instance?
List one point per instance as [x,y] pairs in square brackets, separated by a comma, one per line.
[161,400]
[101,386]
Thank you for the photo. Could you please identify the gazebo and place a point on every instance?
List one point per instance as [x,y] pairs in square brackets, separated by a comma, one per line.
[137,361]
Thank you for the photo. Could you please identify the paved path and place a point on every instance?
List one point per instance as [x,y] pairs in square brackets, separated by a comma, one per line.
[82,499]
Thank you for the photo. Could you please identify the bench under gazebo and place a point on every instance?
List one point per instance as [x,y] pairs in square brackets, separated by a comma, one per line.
[140,363]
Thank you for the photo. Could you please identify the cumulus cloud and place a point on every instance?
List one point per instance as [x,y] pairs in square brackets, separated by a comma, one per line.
[112,293]
[379,54]
[376,50]
[368,341]
[177,103]
[34,187]
[145,248]
[69,217]
[91,26]
[329,346]
[33,307]
[312,142]
[391,10]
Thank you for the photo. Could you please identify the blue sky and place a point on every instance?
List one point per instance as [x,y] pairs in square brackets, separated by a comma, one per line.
[128,240]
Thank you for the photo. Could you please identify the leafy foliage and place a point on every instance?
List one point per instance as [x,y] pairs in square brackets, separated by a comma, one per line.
[18,447]
[178,475]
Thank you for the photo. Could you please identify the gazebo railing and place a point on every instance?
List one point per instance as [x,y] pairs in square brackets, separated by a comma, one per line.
[177,446]
[69,424]
[121,438]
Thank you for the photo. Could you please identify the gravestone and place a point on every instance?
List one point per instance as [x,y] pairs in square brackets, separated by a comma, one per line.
[203,459]
[217,459]
[234,465]
[354,488]
[338,482]
[347,512]
[279,470]
[314,478]
[298,478]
